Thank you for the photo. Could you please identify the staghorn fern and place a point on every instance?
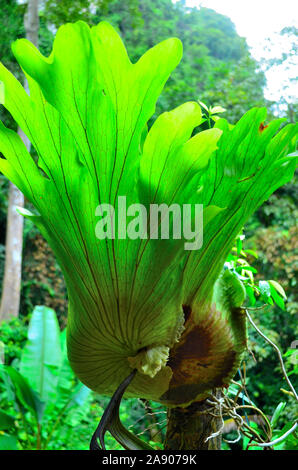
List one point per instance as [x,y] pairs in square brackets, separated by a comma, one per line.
[175,315]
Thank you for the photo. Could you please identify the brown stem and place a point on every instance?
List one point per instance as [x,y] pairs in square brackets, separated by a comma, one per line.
[38,438]
[189,428]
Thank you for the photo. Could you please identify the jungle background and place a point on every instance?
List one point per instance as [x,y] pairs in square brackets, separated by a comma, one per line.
[218,70]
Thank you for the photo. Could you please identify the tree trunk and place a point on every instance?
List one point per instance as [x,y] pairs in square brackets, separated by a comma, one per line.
[188,428]
[10,301]
[31,21]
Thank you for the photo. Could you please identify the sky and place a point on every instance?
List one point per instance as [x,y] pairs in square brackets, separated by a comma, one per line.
[256,20]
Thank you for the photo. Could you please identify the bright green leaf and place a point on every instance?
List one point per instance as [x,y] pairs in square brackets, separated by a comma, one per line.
[217,110]
[252,253]
[8,442]
[6,421]
[277,298]
[277,412]
[251,295]
[204,106]
[278,288]
[24,395]
[41,357]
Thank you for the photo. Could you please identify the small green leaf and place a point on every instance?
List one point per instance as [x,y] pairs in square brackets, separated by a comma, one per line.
[277,299]
[239,246]
[252,253]
[278,410]
[249,268]
[217,109]
[249,274]
[289,352]
[281,433]
[250,294]
[239,276]
[204,106]
[25,396]
[278,288]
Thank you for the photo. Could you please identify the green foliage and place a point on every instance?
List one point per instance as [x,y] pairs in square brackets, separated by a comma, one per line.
[272,233]
[41,358]
[268,292]
[263,385]
[48,401]
[288,443]
[291,359]
[12,27]
[210,115]
[59,12]
[13,334]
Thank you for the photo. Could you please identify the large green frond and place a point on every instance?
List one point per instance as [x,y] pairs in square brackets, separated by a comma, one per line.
[87,117]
